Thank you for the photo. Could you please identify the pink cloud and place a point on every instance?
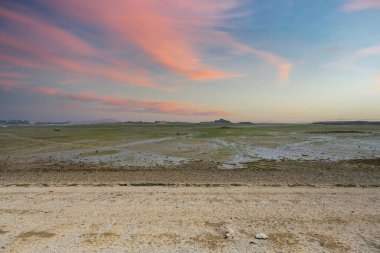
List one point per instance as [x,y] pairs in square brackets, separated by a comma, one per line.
[44,90]
[124,104]
[284,70]
[43,58]
[366,52]
[9,80]
[172,35]
[164,33]
[209,75]
[284,66]
[145,106]
[26,63]
[35,26]
[358,5]
[347,62]
[55,48]
[13,75]
[8,84]
[376,87]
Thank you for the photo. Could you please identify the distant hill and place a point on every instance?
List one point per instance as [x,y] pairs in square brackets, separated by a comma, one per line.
[348,123]
[222,121]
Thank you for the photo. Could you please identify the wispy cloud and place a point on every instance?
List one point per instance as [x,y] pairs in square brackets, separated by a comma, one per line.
[166,33]
[376,87]
[284,66]
[41,46]
[10,79]
[123,104]
[358,5]
[42,30]
[7,84]
[367,52]
[173,35]
[348,61]
[11,74]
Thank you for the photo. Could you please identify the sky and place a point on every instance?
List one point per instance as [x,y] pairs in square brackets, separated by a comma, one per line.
[190,60]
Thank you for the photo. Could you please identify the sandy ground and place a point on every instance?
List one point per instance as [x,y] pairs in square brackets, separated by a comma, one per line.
[189,219]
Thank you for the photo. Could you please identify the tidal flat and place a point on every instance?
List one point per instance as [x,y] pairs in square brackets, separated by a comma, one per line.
[190,188]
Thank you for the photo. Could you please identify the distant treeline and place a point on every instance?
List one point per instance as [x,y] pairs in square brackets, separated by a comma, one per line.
[14,122]
[53,123]
[348,123]
[26,122]
[223,121]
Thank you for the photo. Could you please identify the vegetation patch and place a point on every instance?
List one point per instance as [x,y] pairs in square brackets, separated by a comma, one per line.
[210,241]
[345,185]
[301,185]
[41,234]
[340,132]
[370,186]
[374,161]
[152,184]
[3,232]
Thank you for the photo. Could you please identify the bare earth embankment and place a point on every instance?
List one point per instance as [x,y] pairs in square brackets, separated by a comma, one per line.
[352,173]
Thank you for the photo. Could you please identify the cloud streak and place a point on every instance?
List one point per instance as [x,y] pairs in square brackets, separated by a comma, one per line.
[359,5]
[172,35]
[41,46]
[284,66]
[123,104]
[41,29]
[376,86]
[367,52]
[348,61]
[165,34]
